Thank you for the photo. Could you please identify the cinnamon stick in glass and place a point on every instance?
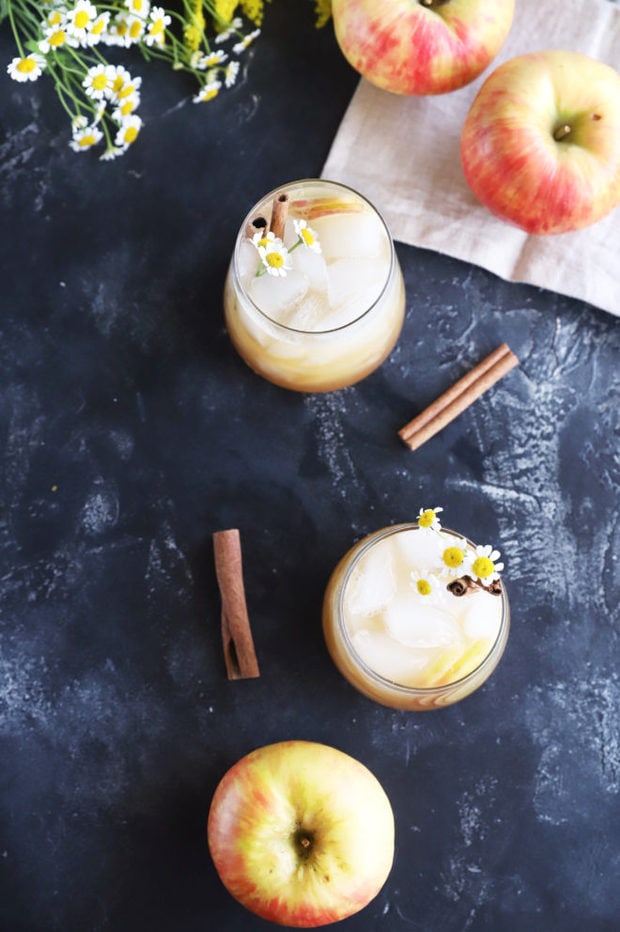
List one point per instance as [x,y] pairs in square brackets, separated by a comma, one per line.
[279,214]
[459,397]
[239,652]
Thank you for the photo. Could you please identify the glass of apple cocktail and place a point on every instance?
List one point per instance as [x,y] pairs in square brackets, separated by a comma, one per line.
[314,297]
[416,616]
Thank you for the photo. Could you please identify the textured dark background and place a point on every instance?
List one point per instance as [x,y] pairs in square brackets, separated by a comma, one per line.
[130,431]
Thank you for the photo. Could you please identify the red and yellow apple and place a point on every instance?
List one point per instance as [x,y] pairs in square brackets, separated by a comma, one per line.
[421,46]
[540,145]
[301,834]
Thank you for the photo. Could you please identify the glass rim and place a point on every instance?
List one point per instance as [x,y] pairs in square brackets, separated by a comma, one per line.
[270,195]
[364,546]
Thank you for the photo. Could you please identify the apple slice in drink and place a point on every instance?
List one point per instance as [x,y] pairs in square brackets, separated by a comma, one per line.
[453,663]
[312,208]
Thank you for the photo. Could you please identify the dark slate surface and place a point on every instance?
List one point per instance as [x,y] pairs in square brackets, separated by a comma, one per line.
[131,431]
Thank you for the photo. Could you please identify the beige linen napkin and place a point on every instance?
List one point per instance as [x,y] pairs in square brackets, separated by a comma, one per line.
[403,154]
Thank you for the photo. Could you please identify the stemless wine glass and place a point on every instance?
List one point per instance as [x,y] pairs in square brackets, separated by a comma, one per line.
[401,635]
[314,301]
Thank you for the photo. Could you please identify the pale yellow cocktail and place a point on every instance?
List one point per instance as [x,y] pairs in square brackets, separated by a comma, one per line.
[416,617]
[323,305]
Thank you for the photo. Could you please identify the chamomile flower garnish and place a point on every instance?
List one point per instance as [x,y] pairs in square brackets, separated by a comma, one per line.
[427,586]
[462,566]
[484,565]
[275,258]
[307,235]
[428,520]
[28,68]
[263,239]
[453,557]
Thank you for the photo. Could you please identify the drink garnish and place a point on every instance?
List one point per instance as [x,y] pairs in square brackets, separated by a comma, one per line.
[462,566]
[273,254]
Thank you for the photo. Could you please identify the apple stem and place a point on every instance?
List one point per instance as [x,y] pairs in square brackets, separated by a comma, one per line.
[303,839]
[562,132]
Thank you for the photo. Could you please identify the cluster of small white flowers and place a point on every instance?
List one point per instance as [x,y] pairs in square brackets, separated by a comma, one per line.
[114,89]
[111,93]
[274,257]
[459,558]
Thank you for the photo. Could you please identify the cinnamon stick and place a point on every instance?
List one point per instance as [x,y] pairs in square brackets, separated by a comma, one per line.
[239,653]
[256,225]
[459,397]
[279,214]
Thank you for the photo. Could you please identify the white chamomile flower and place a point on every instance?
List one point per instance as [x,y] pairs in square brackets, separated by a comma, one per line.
[97,83]
[263,238]
[211,60]
[122,83]
[454,557]
[115,33]
[28,68]
[56,17]
[426,586]
[85,137]
[428,520]
[484,565]
[138,7]
[275,258]
[54,37]
[128,131]
[111,153]
[235,26]
[230,75]
[126,106]
[98,29]
[208,92]
[156,29]
[79,20]
[136,27]
[307,235]
[247,40]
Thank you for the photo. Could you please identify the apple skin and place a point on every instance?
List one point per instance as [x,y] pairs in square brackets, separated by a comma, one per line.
[406,47]
[513,163]
[283,796]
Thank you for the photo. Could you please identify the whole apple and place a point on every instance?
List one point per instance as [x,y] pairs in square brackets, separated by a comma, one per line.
[421,46]
[301,834]
[540,145]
